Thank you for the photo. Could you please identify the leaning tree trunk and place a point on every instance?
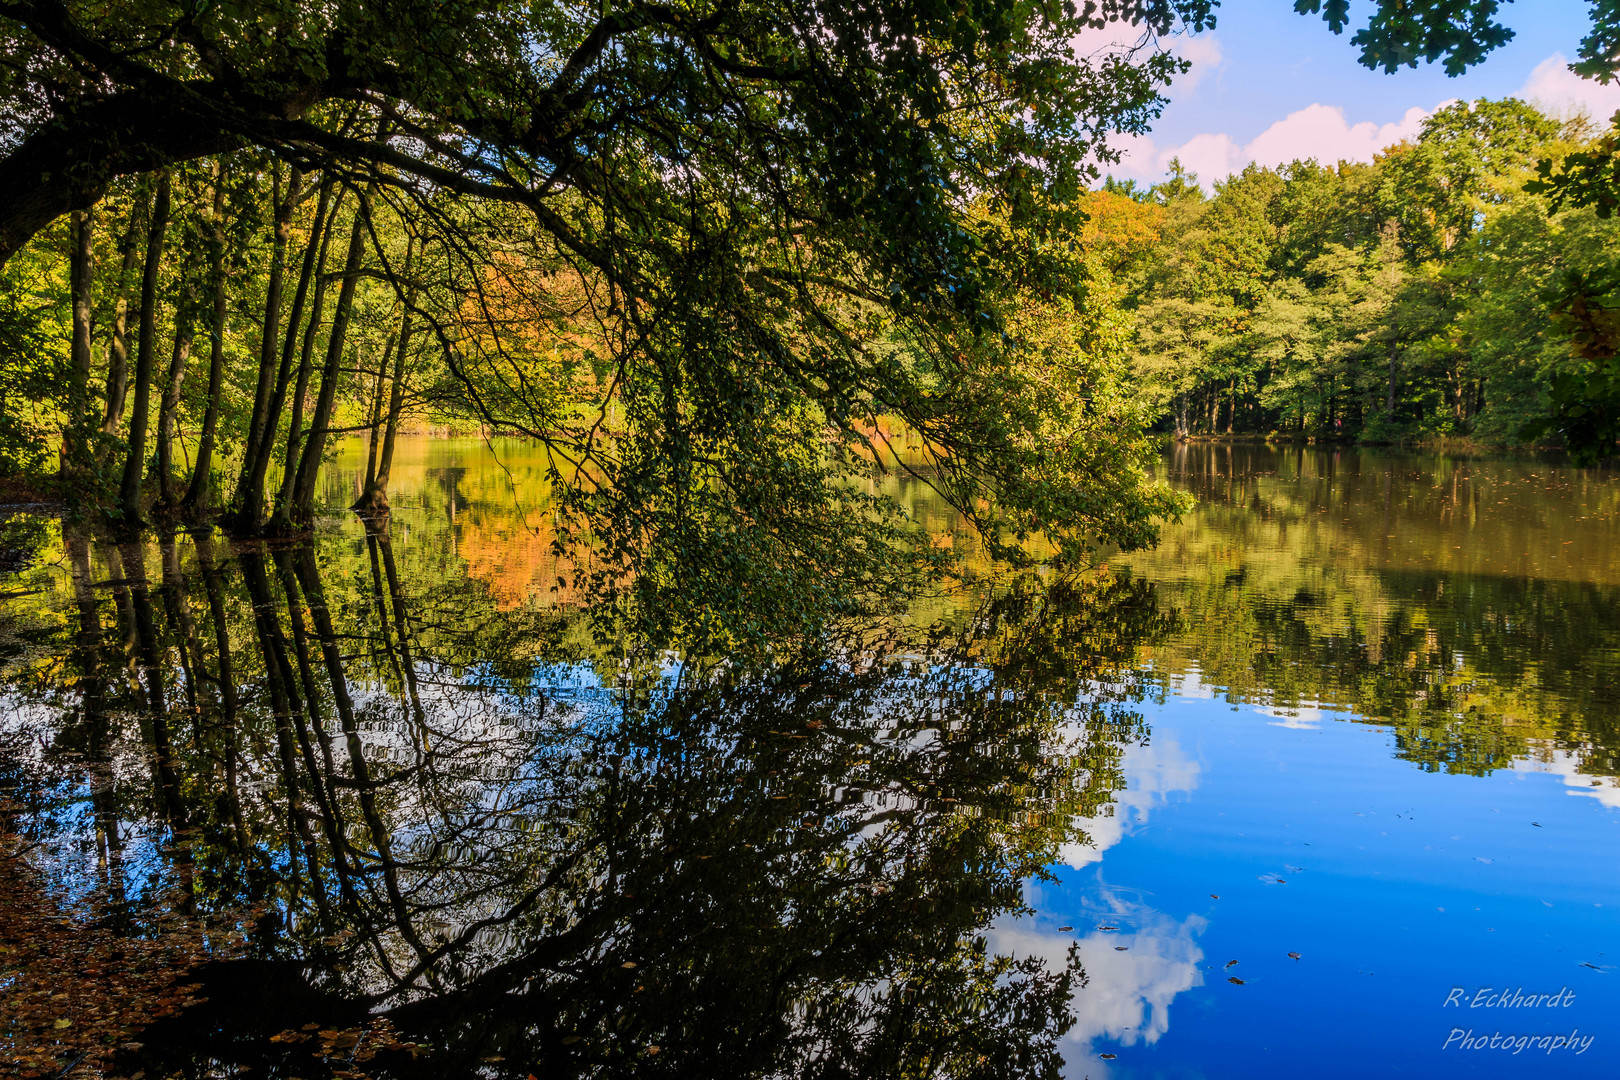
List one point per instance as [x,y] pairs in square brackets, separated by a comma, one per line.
[112,417]
[184,334]
[272,316]
[129,492]
[280,519]
[374,499]
[374,423]
[250,488]
[297,506]
[197,493]
[82,273]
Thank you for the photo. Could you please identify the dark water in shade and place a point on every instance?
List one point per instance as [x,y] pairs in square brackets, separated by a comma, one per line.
[1360,708]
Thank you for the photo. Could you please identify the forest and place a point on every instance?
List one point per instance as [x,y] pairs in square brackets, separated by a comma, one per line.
[1437,292]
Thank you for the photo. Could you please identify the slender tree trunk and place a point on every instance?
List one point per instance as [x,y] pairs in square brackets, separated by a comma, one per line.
[82,274]
[269,334]
[375,498]
[250,489]
[197,494]
[374,421]
[1389,396]
[184,333]
[298,509]
[374,439]
[129,492]
[118,343]
[281,518]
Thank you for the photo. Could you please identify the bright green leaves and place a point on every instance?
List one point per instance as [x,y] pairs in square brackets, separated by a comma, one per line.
[1402,33]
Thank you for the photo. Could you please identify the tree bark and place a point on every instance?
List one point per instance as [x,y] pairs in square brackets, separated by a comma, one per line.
[269,335]
[298,508]
[250,489]
[1389,396]
[184,334]
[82,273]
[300,390]
[129,495]
[375,497]
[197,494]
[118,343]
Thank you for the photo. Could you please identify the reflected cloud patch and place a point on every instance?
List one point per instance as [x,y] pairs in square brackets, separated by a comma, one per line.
[1152,774]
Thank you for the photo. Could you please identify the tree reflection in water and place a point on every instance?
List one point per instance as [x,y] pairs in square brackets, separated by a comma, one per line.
[532,853]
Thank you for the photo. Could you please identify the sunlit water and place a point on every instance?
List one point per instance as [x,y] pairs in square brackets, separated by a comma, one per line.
[1325,785]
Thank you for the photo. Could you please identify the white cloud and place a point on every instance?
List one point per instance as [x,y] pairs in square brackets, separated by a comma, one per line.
[1317,131]
[1152,774]
[1321,132]
[1560,91]
[1204,50]
[1128,994]
[1566,766]
[1212,157]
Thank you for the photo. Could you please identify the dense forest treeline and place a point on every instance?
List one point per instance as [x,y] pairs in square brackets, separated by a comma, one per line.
[1434,292]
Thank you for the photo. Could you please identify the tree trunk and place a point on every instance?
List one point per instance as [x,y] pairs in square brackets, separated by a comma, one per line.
[374,421]
[82,273]
[298,507]
[269,334]
[250,489]
[375,498]
[169,405]
[118,344]
[129,493]
[1389,396]
[197,494]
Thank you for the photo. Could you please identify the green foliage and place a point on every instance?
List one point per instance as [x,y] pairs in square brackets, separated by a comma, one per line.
[1400,34]
[1432,293]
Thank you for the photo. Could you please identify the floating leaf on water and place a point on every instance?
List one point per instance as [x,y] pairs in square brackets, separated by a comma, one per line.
[1229,963]
[628,964]
[1064,929]
[1235,981]
[1108,1057]
[1212,896]
[1293,956]
[1108,928]
[1121,948]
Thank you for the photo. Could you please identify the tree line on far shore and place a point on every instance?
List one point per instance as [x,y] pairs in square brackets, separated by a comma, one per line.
[1443,290]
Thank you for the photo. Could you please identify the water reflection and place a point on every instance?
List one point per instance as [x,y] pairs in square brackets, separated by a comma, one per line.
[463,832]
[527,857]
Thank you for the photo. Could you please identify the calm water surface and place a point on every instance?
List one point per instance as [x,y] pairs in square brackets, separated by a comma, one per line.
[1300,792]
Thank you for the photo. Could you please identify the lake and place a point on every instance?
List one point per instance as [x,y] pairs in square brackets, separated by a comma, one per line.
[1325,784]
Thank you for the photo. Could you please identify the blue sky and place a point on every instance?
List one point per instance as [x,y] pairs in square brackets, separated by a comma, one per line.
[1269,85]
